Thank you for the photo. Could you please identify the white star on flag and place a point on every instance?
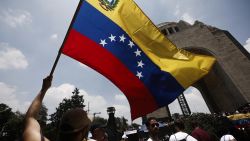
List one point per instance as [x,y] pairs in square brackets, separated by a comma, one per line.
[122,38]
[112,38]
[140,64]
[131,44]
[103,42]
[139,74]
[137,52]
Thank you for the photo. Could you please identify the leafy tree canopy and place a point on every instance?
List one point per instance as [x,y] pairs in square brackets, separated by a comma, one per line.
[76,101]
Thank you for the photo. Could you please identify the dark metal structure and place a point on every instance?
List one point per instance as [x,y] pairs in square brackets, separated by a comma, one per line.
[184,105]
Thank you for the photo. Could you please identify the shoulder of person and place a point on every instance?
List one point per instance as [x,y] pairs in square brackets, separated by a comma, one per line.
[181,134]
[178,136]
[30,134]
[230,137]
[191,138]
[227,137]
[172,138]
[222,137]
[149,139]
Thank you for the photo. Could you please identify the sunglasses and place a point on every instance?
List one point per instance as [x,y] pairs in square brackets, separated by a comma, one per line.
[154,125]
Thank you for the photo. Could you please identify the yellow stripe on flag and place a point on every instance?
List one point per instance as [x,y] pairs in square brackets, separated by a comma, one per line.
[186,67]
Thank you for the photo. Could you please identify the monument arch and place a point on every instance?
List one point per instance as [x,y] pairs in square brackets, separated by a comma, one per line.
[227,86]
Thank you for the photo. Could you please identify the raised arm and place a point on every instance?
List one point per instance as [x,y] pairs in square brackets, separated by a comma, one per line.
[32,129]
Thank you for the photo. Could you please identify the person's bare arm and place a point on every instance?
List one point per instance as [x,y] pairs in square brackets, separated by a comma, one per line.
[31,126]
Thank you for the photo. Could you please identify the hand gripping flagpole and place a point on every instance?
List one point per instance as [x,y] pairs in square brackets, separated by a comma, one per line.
[60,50]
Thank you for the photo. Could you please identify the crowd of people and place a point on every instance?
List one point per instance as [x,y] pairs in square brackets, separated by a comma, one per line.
[198,133]
[76,126]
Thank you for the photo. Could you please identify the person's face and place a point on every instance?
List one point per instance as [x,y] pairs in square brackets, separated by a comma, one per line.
[100,135]
[153,126]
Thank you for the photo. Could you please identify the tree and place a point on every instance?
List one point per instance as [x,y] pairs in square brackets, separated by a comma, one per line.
[99,120]
[11,124]
[14,127]
[5,115]
[135,126]
[121,123]
[76,101]
[42,117]
[211,123]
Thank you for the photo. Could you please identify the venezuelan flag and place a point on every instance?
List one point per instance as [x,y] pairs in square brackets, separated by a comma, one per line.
[116,38]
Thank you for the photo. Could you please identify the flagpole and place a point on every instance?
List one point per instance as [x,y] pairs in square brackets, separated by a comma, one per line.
[55,63]
[59,52]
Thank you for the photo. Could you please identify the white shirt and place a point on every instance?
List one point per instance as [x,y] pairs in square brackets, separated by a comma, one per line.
[124,136]
[227,138]
[180,136]
[150,139]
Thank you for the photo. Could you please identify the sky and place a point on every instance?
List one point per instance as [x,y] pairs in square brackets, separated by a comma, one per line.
[32,31]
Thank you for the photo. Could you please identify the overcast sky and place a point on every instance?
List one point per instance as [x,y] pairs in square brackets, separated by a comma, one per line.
[32,31]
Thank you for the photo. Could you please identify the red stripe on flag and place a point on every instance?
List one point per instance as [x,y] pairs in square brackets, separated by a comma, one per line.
[97,57]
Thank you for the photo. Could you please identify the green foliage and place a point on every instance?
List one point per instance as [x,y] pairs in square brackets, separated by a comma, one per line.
[42,116]
[207,121]
[14,126]
[5,114]
[121,123]
[99,120]
[213,124]
[11,124]
[135,126]
[75,101]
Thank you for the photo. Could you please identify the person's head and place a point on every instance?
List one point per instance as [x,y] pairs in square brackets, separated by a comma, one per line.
[152,125]
[195,124]
[179,125]
[98,132]
[74,125]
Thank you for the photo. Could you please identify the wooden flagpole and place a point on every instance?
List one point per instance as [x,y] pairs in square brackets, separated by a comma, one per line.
[59,52]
